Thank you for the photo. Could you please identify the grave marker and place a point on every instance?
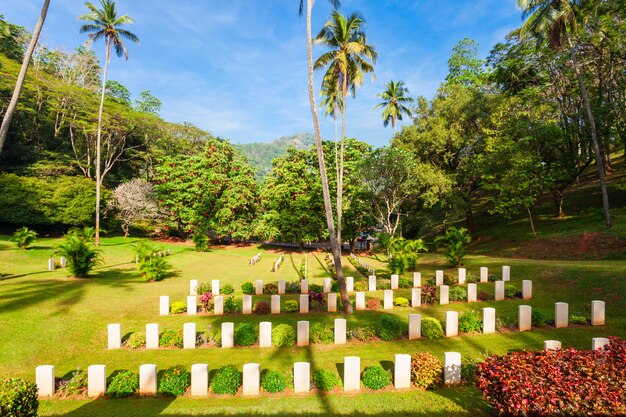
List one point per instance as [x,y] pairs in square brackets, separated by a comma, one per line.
[340,331]
[452,323]
[489,320]
[402,371]
[597,313]
[351,373]
[452,368]
[228,335]
[301,377]
[96,381]
[147,379]
[265,334]
[44,378]
[303,333]
[199,380]
[415,326]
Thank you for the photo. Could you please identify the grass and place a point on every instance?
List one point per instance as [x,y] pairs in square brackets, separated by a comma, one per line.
[47,318]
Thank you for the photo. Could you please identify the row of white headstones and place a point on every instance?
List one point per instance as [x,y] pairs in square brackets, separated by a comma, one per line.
[63,261]
[561,314]
[97,374]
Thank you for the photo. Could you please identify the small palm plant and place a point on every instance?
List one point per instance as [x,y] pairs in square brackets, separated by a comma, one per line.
[152,266]
[23,237]
[404,254]
[456,241]
[144,250]
[80,253]
[201,241]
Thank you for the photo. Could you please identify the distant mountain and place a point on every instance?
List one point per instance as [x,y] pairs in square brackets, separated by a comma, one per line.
[260,154]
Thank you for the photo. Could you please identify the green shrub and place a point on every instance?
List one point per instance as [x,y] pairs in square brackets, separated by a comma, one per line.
[200,241]
[245,334]
[23,237]
[270,288]
[458,293]
[574,319]
[321,333]
[171,338]
[80,253]
[204,287]
[262,308]
[272,381]
[316,288]
[538,318]
[364,334]
[383,284]
[136,340]
[455,241]
[510,291]
[404,283]
[178,307]
[227,380]
[450,279]
[76,385]
[426,370]
[123,384]
[283,335]
[470,321]
[292,287]
[247,288]
[227,289]
[144,249]
[431,328]
[154,268]
[375,377]
[291,306]
[390,327]
[174,381]
[401,302]
[471,278]
[232,305]
[361,286]
[325,380]
[397,264]
[18,398]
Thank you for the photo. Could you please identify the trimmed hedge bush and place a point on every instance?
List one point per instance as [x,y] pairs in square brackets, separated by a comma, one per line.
[272,381]
[470,321]
[283,335]
[123,384]
[227,289]
[174,381]
[325,380]
[426,370]
[361,286]
[401,302]
[291,306]
[458,293]
[171,338]
[321,333]
[510,291]
[375,377]
[178,307]
[431,328]
[227,380]
[248,288]
[390,327]
[245,334]
[18,398]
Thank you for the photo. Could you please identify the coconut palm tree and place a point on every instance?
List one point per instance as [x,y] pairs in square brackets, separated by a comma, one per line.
[330,221]
[8,115]
[105,23]
[348,58]
[394,103]
[555,21]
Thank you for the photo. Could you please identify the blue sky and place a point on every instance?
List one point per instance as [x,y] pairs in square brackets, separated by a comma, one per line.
[238,68]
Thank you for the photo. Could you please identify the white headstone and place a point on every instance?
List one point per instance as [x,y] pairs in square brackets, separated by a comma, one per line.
[265,334]
[258,287]
[199,380]
[332,302]
[189,336]
[402,371]
[452,323]
[597,313]
[304,286]
[506,273]
[96,381]
[551,345]
[114,336]
[246,304]
[275,304]
[525,318]
[561,315]
[471,292]
[372,283]
[228,335]
[499,294]
[301,377]
[350,284]
[147,379]
[388,299]
[215,287]
[417,279]
[340,331]
[360,301]
[192,305]
[193,287]
[63,262]
[462,275]
[527,289]
[415,326]
[218,305]
[164,305]
[304,303]
[44,377]
[152,336]
[452,368]
[281,286]
[438,277]
[444,295]
[394,281]
[484,274]
[351,373]
[51,264]
[599,343]
[302,333]
[489,320]
[251,378]
[416,297]
[327,284]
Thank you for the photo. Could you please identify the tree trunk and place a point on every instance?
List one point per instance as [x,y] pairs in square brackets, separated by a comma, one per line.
[320,159]
[594,134]
[469,219]
[6,120]
[98,139]
[532,223]
[558,202]
[125,228]
[344,93]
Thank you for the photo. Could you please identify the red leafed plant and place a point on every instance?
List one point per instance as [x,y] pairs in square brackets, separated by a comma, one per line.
[563,382]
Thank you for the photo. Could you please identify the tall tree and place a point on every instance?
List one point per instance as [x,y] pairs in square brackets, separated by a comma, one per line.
[332,104]
[394,103]
[346,62]
[8,115]
[555,21]
[105,24]
[330,221]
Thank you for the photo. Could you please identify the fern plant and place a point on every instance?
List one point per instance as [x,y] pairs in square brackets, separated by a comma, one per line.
[144,249]
[456,241]
[201,242]
[80,253]
[155,268]
[23,237]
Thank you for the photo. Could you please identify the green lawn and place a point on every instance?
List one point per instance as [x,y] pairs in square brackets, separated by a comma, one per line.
[47,318]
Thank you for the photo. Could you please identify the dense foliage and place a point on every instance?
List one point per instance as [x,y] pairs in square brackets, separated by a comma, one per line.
[375,377]
[123,384]
[18,398]
[174,381]
[23,237]
[426,370]
[272,381]
[80,252]
[226,380]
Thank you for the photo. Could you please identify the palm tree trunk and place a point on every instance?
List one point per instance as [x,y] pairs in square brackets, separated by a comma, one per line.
[98,140]
[347,306]
[6,120]
[594,134]
[344,93]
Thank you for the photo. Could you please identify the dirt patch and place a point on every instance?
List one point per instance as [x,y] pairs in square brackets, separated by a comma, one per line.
[588,246]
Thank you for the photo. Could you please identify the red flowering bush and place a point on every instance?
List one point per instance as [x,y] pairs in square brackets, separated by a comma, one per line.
[562,382]
[207,301]
[429,294]
[262,308]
